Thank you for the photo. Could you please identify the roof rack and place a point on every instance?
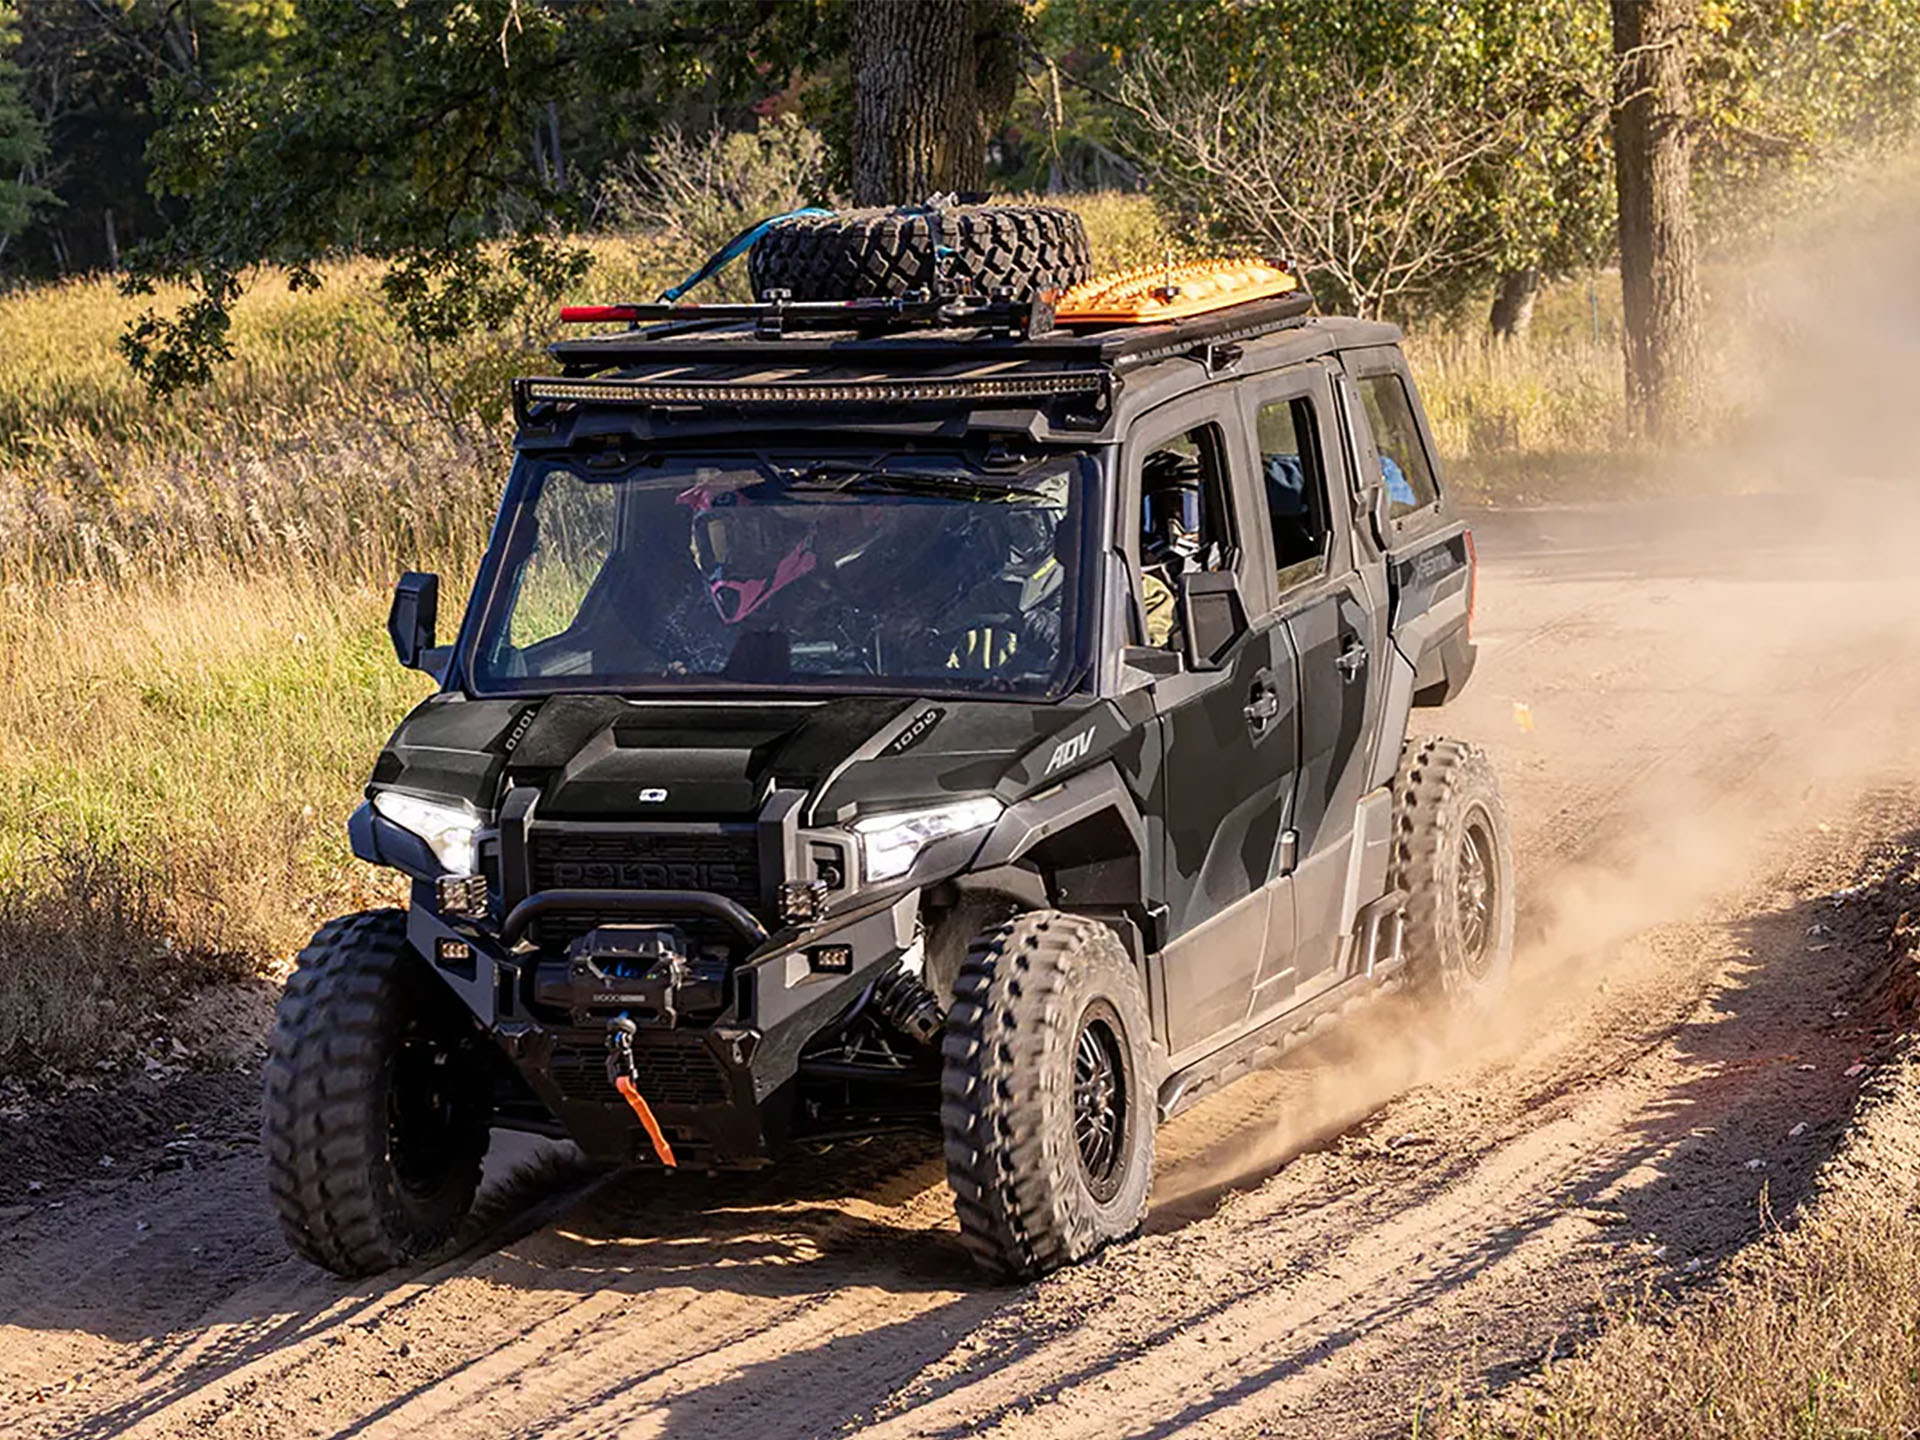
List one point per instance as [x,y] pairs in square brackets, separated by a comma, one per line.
[779,314]
[918,348]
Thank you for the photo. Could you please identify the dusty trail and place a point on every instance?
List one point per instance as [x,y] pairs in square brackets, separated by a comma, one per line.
[1712,692]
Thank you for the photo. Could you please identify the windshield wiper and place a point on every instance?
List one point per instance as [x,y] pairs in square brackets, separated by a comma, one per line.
[834,477]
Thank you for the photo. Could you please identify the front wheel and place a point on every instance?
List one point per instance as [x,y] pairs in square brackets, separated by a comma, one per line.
[1047,1094]
[1453,855]
[376,1109]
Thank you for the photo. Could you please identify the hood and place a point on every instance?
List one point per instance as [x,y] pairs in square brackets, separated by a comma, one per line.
[602,757]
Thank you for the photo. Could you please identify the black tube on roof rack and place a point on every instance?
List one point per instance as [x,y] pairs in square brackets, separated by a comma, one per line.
[699,337]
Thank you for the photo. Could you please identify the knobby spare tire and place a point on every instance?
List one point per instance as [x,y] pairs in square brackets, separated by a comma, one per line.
[879,254]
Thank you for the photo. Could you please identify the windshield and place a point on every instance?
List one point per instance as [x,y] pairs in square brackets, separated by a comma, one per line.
[887,572]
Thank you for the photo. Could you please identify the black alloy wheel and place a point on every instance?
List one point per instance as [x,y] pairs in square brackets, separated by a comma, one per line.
[1047,1094]
[1099,1102]
[1477,893]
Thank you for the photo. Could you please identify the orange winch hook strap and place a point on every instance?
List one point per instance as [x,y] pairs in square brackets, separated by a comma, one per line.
[631,1093]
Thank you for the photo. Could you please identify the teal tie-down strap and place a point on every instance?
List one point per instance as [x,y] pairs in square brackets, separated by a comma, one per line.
[734,249]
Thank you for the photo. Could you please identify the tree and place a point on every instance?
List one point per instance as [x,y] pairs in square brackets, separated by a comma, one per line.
[931,80]
[22,144]
[430,137]
[1652,146]
[1790,98]
[424,136]
[1356,177]
[1469,133]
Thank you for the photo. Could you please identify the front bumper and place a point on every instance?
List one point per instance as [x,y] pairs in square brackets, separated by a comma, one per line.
[725,1090]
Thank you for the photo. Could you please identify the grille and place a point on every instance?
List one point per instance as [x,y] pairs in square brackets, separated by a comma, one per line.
[727,864]
[671,1069]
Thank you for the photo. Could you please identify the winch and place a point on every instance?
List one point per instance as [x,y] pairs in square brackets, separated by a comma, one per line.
[643,972]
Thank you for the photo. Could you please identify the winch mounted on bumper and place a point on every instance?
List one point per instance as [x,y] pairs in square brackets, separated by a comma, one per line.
[716,1051]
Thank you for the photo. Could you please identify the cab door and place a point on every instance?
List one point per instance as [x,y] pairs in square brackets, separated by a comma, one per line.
[1229,734]
[1330,602]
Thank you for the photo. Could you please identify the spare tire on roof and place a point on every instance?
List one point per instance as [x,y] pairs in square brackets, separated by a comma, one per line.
[869,254]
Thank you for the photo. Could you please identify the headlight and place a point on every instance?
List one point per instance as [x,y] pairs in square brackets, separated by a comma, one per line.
[889,844]
[449,830]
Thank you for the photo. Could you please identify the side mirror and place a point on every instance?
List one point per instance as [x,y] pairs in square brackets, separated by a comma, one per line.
[1213,616]
[410,623]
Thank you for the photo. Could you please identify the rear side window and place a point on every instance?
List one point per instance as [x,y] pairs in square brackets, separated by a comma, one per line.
[1403,458]
[1293,479]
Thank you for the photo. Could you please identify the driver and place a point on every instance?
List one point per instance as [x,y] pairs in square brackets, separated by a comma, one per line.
[1170,485]
[1017,600]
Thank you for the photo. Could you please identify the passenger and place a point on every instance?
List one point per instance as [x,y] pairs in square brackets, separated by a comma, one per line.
[1170,541]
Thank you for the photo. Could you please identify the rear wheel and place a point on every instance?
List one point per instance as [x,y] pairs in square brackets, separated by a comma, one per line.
[1047,1094]
[377,1104]
[1453,855]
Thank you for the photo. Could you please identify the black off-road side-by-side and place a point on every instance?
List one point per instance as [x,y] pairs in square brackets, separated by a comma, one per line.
[943,706]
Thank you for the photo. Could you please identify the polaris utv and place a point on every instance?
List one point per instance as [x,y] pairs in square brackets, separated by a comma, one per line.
[918,700]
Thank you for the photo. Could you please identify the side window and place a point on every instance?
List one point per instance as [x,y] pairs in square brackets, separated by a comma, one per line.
[1293,475]
[1185,522]
[1403,459]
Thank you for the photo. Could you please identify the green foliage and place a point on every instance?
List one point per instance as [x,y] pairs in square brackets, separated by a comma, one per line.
[1789,92]
[417,134]
[21,142]
[1443,142]
[1786,92]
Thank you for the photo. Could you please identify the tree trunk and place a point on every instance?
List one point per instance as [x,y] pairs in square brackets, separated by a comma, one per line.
[1513,299]
[1652,151]
[932,80]
[914,122]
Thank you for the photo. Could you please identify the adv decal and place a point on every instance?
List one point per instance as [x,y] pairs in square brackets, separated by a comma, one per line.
[1069,750]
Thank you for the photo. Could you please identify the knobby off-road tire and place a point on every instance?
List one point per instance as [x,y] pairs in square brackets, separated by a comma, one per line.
[376,1109]
[1047,1010]
[1453,855]
[867,254]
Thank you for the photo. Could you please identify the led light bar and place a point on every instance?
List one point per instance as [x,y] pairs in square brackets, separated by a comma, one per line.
[807,392]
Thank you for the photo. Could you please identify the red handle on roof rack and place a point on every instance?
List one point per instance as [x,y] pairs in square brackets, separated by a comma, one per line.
[597,314]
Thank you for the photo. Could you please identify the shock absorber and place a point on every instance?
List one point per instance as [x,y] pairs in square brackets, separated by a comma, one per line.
[904,1000]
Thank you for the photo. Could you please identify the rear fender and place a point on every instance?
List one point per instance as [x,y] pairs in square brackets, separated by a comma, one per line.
[1431,583]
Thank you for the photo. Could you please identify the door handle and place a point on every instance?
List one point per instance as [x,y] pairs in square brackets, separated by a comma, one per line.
[1351,659]
[1264,708]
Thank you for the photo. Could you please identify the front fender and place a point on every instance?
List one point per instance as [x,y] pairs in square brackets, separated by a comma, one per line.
[1028,823]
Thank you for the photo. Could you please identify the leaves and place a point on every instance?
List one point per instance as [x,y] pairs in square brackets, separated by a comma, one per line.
[419,134]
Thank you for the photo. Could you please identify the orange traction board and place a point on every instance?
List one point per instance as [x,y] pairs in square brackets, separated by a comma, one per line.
[1156,293]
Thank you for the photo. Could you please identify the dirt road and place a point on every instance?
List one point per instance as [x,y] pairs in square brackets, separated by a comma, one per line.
[1691,706]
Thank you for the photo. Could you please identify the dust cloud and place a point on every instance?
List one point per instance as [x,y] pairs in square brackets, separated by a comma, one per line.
[1722,671]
